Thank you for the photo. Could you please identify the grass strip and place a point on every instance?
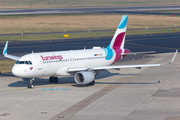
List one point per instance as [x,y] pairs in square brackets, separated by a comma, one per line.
[79,35]
[81,22]
[6,65]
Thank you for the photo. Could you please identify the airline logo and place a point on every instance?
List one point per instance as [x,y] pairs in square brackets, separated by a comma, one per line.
[54,57]
[31,68]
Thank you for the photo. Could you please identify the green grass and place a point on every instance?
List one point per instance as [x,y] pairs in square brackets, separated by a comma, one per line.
[52,36]
[79,35]
[80,22]
[6,65]
[155,31]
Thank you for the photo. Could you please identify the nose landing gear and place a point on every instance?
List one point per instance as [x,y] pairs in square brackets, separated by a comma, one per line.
[30,85]
[51,80]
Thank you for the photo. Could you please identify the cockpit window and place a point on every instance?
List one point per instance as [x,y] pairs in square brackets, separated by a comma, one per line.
[24,62]
[21,62]
[17,62]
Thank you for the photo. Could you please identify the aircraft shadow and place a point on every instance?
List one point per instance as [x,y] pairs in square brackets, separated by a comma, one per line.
[123,83]
[66,80]
[6,74]
[41,82]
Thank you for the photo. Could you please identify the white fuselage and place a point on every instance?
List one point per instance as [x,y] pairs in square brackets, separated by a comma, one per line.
[57,63]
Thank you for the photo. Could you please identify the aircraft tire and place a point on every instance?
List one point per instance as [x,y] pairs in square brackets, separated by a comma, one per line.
[91,83]
[51,79]
[32,86]
[28,86]
[55,79]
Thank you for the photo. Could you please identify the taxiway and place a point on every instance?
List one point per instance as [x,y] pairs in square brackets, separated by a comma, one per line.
[138,94]
[129,10]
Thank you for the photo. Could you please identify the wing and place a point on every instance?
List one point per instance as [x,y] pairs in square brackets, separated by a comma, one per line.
[7,55]
[131,53]
[75,69]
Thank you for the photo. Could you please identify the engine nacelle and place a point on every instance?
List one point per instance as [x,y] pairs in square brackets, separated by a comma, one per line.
[84,77]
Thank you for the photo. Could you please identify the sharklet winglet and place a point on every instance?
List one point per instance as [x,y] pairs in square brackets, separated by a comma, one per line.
[172,60]
[7,55]
[5,48]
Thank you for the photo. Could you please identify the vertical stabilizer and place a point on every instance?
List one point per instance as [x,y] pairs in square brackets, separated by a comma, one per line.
[118,39]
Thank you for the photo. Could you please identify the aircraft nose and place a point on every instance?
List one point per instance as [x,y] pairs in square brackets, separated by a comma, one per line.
[15,71]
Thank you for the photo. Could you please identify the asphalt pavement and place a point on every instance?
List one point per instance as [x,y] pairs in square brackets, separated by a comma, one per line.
[161,43]
[129,10]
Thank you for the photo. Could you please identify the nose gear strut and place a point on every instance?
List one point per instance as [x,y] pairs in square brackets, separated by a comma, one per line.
[30,85]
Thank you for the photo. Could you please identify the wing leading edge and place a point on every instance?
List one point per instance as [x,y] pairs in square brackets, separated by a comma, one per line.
[7,55]
[74,69]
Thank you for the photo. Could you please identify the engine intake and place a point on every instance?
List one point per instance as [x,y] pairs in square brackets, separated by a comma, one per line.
[84,77]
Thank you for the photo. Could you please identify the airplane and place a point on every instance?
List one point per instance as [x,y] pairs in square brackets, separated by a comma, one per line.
[83,64]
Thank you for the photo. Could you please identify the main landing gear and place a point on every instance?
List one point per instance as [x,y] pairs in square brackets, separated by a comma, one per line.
[53,79]
[30,85]
[91,83]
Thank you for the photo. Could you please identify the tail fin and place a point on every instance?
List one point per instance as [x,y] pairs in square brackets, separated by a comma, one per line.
[118,39]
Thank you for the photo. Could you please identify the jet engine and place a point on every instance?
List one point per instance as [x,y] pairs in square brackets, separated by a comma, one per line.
[84,77]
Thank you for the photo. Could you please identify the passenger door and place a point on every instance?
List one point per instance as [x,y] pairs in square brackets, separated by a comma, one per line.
[40,62]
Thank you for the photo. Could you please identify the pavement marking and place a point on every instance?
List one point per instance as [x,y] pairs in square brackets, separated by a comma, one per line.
[90,99]
[71,83]
[54,89]
[85,102]
[34,87]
